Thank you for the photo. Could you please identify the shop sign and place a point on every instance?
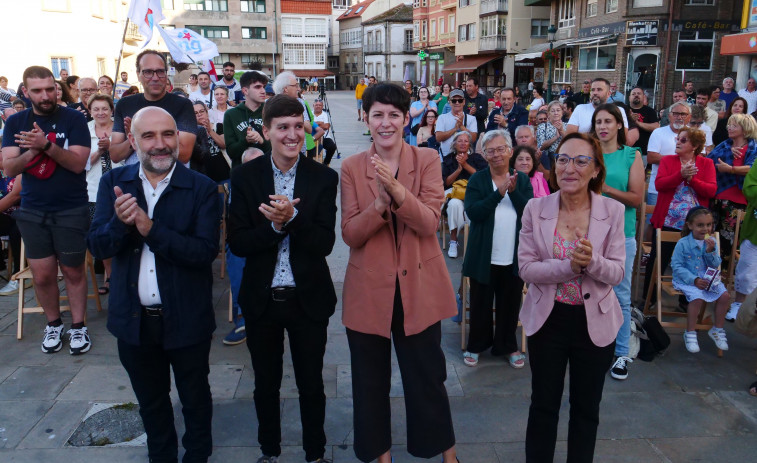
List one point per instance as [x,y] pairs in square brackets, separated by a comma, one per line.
[752,13]
[705,25]
[521,64]
[612,28]
[642,33]
[435,56]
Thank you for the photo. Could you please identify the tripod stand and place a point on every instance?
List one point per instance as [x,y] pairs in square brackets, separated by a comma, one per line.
[322,96]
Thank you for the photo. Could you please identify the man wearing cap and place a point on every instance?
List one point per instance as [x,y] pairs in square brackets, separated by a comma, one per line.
[457,120]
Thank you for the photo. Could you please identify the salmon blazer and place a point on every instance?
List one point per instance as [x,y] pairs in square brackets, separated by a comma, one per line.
[376,262]
[539,268]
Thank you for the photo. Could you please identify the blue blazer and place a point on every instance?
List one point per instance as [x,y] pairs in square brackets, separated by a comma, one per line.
[185,240]
[690,261]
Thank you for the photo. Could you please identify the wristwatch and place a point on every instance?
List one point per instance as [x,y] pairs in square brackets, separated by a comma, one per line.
[47,145]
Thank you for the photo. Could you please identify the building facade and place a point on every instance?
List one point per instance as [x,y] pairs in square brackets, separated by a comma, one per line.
[388,40]
[305,38]
[434,31]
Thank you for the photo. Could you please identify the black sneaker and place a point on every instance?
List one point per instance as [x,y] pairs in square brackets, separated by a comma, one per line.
[619,369]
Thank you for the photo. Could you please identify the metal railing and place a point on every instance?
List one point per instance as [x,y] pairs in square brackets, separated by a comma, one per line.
[495,42]
[132,32]
[374,48]
[490,6]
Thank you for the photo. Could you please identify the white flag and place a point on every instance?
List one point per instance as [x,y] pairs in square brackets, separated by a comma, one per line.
[145,14]
[187,46]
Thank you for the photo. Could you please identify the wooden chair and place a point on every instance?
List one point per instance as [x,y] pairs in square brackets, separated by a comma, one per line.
[642,247]
[6,246]
[443,230]
[222,252]
[318,152]
[25,273]
[466,306]
[665,283]
[729,274]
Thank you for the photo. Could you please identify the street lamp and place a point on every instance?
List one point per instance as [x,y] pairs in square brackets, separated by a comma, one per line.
[551,37]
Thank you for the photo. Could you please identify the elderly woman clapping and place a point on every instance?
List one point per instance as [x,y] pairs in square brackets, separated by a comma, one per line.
[459,164]
[494,202]
[572,253]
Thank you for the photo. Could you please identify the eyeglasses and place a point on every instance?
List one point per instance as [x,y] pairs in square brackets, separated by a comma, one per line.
[431,116]
[675,114]
[695,124]
[732,126]
[497,150]
[87,90]
[581,162]
[456,100]
[148,73]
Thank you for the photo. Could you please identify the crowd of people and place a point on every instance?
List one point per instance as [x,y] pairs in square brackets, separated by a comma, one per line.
[550,193]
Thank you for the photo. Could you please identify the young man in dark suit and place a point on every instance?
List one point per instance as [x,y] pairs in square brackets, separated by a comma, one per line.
[282,218]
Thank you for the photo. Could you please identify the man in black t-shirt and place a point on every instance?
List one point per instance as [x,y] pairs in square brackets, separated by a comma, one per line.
[50,145]
[645,117]
[153,71]
[476,104]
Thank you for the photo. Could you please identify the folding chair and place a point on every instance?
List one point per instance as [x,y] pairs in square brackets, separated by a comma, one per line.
[222,252]
[6,245]
[318,152]
[466,306]
[728,275]
[443,230]
[25,273]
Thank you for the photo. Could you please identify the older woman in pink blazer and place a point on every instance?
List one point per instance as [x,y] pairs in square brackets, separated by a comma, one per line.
[572,252]
[397,286]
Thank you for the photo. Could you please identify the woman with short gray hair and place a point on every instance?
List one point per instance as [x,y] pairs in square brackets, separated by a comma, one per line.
[494,202]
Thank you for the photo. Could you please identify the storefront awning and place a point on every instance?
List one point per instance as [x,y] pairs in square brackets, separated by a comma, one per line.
[537,50]
[469,64]
[308,73]
[739,44]
[588,40]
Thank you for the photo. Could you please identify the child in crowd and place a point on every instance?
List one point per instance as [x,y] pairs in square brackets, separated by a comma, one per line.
[693,254]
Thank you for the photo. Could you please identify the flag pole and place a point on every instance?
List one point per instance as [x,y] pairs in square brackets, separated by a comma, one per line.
[120,53]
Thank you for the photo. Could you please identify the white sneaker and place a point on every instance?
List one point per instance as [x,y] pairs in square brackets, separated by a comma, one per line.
[78,341]
[730,316]
[718,335]
[452,251]
[11,288]
[690,339]
[52,343]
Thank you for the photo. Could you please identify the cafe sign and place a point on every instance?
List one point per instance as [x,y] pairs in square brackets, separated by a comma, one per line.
[642,33]
[686,25]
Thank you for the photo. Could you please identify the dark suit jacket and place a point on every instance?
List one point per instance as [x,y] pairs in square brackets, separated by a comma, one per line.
[184,238]
[311,235]
[518,116]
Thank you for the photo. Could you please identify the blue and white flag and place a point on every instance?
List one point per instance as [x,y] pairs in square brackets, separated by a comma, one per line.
[145,14]
[188,46]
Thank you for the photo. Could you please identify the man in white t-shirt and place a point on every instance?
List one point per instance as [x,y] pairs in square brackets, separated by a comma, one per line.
[750,95]
[455,121]
[205,93]
[580,120]
[323,120]
[662,142]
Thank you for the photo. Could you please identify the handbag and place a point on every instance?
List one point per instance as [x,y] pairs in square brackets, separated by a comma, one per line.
[746,321]
[458,190]
[653,340]
[414,129]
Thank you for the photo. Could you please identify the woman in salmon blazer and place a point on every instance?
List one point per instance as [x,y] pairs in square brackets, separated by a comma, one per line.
[572,252]
[397,285]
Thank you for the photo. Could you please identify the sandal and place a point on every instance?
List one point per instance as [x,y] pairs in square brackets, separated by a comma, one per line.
[753,389]
[105,288]
[517,360]
[470,359]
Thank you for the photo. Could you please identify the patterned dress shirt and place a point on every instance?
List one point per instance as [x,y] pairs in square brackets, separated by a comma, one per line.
[283,183]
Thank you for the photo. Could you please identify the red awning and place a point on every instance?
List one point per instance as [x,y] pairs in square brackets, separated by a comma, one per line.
[308,73]
[469,64]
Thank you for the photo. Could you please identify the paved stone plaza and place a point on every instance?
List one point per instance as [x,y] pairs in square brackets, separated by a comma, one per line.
[679,408]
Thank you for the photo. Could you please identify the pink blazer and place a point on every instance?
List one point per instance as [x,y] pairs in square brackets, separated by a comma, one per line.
[376,262]
[539,268]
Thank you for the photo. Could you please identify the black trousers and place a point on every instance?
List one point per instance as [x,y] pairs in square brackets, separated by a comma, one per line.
[8,227]
[423,369]
[507,290]
[667,254]
[307,342]
[564,339]
[148,366]
[330,147]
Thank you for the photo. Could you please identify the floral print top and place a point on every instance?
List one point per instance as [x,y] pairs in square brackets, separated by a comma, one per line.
[568,292]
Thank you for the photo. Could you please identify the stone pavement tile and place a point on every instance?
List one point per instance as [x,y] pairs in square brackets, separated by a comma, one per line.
[56,427]
[234,423]
[288,384]
[344,382]
[100,383]
[337,349]
[492,377]
[338,425]
[221,354]
[643,377]
[610,450]
[668,415]
[224,380]
[6,371]
[289,454]
[38,382]
[730,449]
[467,453]
[17,417]
[26,351]
[77,455]
[490,419]
[743,402]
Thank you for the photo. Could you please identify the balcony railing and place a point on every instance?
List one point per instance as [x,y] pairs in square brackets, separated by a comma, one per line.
[495,42]
[445,4]
[492,6]
[132,33]
[354,67]
[374,48]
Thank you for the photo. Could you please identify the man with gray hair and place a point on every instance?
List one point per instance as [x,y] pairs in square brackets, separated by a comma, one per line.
[525,136]
[87,88]
[662,142]
[158,221]
[286,84]
[727,94]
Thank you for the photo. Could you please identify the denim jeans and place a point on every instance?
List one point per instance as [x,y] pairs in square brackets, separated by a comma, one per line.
[651,201]
[623,293]
[235,267]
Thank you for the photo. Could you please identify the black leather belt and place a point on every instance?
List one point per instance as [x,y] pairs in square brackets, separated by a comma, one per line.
[153,310]
[282,294]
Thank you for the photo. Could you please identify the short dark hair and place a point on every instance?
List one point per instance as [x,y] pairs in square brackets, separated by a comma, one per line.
[506,89]
[571,104]
[229,64]
[281,106]
[601,79]
[386,93]
[203,73]
[688,82]
[705,91]
[18,101]
[71,80]
[373,77]
[192,75]
[531,152]
[252,77]
[596,183]
[151,52]
[474,79]
[615,112]
[36,72]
